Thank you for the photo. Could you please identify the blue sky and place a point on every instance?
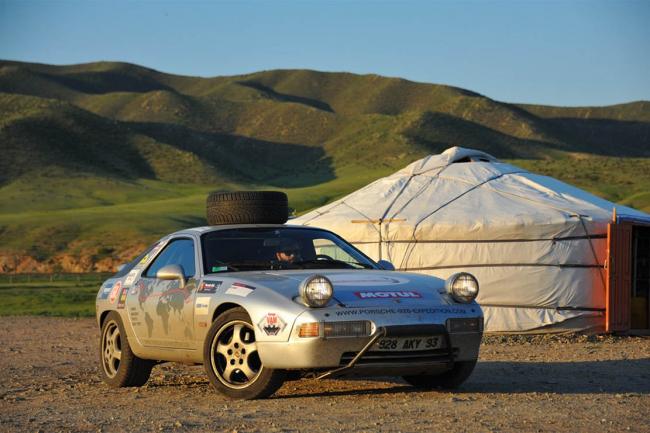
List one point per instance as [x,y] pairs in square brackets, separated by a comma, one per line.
[552,52]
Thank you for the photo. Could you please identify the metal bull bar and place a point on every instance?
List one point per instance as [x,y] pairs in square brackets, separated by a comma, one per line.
[396,331]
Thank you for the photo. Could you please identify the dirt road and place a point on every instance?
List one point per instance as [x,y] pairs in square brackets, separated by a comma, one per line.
[49,382]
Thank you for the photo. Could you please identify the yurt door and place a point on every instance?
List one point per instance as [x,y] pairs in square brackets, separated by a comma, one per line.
[619,281]
[640,277]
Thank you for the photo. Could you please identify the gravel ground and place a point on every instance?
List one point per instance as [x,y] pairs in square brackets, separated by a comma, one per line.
[521,384]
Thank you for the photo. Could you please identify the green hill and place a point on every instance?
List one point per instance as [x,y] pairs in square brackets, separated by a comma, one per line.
[101,158]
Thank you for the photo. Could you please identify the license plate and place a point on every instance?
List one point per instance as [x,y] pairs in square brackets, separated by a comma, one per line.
[406,344]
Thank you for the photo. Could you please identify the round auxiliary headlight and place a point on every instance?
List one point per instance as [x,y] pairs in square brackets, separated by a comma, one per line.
[463,287]
[316,291]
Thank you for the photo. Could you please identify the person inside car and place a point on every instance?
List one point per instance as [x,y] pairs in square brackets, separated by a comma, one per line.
[288,251]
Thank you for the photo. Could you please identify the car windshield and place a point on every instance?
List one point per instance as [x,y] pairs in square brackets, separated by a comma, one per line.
[247,249]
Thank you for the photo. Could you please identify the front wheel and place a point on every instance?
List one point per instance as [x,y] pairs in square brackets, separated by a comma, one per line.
[232,362]
[119,366]
[448,380]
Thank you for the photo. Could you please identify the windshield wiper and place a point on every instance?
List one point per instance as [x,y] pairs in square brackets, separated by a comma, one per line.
[332,262]
[363,265]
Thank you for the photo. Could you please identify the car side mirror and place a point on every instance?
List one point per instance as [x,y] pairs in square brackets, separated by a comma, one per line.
[386,265]
[171,272]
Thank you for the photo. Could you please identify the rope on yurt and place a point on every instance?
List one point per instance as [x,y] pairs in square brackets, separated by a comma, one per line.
[422,189]
[383,216]
[570,213]
[339,203]
[593,250]
[561,209]
[411,247]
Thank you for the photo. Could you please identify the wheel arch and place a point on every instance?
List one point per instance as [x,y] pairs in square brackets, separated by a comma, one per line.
[222,308]
[102,317]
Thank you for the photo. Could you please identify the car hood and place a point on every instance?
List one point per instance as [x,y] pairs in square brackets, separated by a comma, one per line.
[355,287]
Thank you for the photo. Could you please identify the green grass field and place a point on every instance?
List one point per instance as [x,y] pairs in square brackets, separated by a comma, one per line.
[70,296]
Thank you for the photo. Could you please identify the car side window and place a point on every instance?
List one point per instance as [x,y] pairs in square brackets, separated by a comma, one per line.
[178,252]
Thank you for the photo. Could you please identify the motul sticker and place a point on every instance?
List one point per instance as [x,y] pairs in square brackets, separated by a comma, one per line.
[116,289]
[388,295]
[271,324]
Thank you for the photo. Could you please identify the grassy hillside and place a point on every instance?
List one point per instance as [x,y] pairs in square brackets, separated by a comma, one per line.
[100,159]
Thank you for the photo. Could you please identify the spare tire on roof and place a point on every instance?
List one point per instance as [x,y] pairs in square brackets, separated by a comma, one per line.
[247,207]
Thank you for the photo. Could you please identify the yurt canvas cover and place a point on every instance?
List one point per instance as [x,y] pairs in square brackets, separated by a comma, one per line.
[536,245]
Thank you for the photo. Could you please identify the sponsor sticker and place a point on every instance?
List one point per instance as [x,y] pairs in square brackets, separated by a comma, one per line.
[106,289]
[383,294]
[130,278]
[385,311]
[210,286]
[147,258]
[219,268]
[202,306]
[271,324]
[136,287]
[116,289]
[239,289]
[122,301]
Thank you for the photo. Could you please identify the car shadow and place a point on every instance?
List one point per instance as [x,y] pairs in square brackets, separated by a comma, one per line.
[503,377]
[580,377]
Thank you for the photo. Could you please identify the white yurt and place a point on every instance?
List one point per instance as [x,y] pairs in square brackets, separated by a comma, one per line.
[536,245]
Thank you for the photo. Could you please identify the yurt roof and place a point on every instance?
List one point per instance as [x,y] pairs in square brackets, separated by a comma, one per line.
[465,194]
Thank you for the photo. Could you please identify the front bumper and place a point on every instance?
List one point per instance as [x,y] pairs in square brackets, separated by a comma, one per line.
[330,353]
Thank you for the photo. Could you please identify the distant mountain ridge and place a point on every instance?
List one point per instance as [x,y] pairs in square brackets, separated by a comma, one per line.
[107,134]
[328,119]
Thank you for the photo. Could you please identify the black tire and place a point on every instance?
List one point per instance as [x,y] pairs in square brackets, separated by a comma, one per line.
[224,351]
[119,367]
[448,380]
[247,207]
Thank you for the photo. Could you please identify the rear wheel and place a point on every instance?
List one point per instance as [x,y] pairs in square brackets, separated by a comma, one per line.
[448,380]
[232,362]
[119,366]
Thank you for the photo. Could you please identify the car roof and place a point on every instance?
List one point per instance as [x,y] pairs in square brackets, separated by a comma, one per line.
[206,229]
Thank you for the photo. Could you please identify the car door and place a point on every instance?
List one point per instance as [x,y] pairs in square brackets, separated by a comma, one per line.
[161,311]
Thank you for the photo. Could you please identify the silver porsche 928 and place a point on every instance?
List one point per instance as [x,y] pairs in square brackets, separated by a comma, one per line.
[260,304]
